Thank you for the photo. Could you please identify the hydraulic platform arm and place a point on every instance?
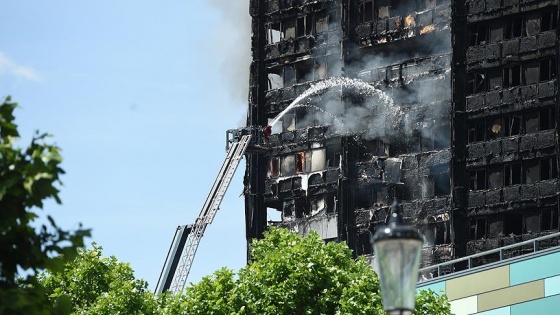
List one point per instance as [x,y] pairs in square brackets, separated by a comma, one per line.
[179,259]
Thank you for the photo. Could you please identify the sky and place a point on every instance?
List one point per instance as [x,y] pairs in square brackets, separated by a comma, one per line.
[138,95]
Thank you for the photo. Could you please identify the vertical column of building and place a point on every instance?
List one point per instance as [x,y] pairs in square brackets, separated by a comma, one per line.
[512,117]
[404,49]
[255,210]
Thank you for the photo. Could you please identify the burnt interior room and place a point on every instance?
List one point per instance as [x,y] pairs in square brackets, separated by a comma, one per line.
[447,108]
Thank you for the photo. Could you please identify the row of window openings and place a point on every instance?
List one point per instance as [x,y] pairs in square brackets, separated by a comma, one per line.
[512,125]
[302,162]
[301,72]
[511,76]
[513,223]
[300,208]
[528,24]
[527,172]
[301,26]
[373,10]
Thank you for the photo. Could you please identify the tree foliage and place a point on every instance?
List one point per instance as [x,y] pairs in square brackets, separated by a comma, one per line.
[91,284]
[289,274]
[28,177]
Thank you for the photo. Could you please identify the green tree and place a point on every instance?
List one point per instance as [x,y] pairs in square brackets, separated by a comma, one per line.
[91,284]
[28,177]
[291,274]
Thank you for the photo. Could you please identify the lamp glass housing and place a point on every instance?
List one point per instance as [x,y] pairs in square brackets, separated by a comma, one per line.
[398,249]
[399,260]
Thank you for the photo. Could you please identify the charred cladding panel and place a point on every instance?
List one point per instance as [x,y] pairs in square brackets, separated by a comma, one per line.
[447,109]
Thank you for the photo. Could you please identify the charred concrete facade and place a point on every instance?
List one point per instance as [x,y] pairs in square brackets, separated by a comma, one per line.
[468,147]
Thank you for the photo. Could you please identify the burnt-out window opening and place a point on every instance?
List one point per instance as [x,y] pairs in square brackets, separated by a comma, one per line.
[477,179]
[531,72]
[317,204]
[513,28]
[289,75]
[531,121]
[513,223]
[274,33]
[548,168]
[364,246]
[441,178]
[320,68]
[549,20]
[496,31]
[532,222]
[398,8]
[275,78]
[476,131]
[383,9]
[532,23]
[478,33]
[334,19]
[304,26]
[300,162]
[547,118]
[288,209]
[513,125]
[289,121]
[288,165]
[495,128]
[511,76]
[333,157]
[364,197]
[366,11]
[478,227]
[547,69]
[495,177]
[304,71]
[512,174]
[318,160]
[476,82]
[321,22]
[532,171]
[549,219]
[275,167]
[289,28]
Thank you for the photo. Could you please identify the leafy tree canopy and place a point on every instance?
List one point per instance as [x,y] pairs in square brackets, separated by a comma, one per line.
[289,274]
[28,177]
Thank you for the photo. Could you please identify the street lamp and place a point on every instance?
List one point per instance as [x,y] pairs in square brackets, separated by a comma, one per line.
[397,249]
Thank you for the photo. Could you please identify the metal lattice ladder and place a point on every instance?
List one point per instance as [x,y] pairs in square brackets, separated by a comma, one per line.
[176,269]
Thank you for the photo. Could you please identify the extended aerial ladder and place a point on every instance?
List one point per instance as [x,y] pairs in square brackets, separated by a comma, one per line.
[181,254]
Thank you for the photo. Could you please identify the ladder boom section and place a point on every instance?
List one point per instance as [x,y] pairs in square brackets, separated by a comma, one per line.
[175,271]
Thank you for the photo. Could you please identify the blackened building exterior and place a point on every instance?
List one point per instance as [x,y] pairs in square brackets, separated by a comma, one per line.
[471,155]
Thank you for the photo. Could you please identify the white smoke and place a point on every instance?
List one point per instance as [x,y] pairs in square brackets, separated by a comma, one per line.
[233,42]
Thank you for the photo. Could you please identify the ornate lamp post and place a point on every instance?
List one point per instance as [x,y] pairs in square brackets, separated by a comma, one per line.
[397,249]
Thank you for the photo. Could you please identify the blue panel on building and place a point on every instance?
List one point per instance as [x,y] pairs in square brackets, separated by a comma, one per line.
[552,286]
[499,311]
[549,305]
[535,269]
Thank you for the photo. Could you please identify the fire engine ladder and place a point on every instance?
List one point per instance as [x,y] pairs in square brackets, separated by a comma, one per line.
[174,274]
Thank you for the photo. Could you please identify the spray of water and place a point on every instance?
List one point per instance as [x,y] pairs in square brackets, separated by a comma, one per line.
[374,118]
